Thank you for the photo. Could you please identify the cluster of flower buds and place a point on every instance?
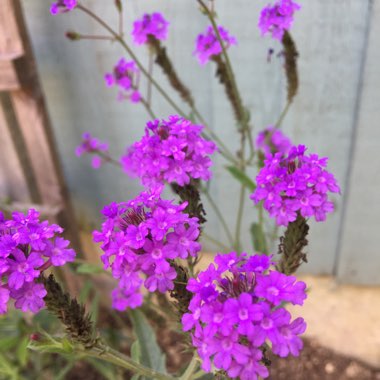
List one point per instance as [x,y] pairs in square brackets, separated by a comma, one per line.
[278,18]
[237,309]
[150,25]
[92,145]
[208,46]
[295,183]
[171,150]
[27,248]
[272,140]
[62,6]
[141,238]
[126,76]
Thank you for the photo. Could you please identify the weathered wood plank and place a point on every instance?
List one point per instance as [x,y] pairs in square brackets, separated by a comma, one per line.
[10,42]
[13,185]
[8,76]
[359,256]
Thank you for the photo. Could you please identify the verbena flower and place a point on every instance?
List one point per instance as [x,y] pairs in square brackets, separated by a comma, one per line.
[207,44]
[92,145]
[62,6]
[295,183]
[153,25]
[140,238]
[171,150]
[278,18]
[126,76]
[272,140]
[27,248]
[236,310]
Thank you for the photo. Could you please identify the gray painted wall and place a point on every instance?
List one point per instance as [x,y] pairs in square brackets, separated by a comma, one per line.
[336,112]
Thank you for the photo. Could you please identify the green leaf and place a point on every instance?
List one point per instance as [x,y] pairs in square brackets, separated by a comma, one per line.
[105,369]
[85,291]
[88,268]
[22,352]
[258,238]
[242,177]
[151,354]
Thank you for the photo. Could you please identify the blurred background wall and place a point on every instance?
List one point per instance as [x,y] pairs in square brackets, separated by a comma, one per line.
[336,112]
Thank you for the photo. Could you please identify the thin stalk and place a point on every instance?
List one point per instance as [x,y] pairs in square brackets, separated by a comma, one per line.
[148,108]
[149,88]
[239,219]
[119,39]
[283,114]
[106,353]
[219,215]
[108,158]
[187,375]
[216,242]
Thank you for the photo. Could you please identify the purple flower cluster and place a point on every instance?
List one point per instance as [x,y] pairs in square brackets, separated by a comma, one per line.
[62,6]
[27,248]
[207,44]
[92,145]
[271,140]
[153,25]
[141,237]
[277,18]
[126,76]
[236,309]
[171,150]
[296,183]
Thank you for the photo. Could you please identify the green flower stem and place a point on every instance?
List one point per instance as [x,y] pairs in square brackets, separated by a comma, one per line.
[216,242]
[119,39]
[283,114]
[239,219]
[219,215]
[106,353]
[188,374]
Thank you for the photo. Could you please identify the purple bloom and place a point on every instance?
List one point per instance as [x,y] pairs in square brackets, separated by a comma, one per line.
[125,75]
[29,297]
[271,140]
[58,252]
[150,25]
[172,150]
[139,238]
[295,183]
[278,287]
[235,313]
[27,248]
[92,145]
[278,18]
[62,6]
[4,298]
[208,45]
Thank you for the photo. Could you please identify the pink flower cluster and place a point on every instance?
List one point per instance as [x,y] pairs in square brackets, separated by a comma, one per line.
[62,6]
[93,146]
[236,309]
[153,25]
[271,140]
[277,18]
[295,183]
[126,76]
[141,237]
[171,150]
[208,45]
[27,248]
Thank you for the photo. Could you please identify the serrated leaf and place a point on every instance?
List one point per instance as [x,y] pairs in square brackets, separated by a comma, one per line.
[88,268]
[258,238]
[242,177]
[151,354]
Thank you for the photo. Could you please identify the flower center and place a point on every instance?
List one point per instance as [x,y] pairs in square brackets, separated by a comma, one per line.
[243,314]
[273,291]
